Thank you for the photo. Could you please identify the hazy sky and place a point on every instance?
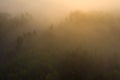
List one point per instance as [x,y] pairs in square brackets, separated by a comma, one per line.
[46,4]
[57,7]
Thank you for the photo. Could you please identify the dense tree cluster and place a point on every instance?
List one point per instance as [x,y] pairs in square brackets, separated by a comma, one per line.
[85,46]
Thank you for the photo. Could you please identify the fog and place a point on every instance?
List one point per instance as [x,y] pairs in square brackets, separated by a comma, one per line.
[55,9]
[59,40]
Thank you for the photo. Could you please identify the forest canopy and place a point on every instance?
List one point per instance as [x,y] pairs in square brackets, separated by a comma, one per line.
[82,46]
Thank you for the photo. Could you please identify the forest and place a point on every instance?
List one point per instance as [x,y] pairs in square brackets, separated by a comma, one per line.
[83,46]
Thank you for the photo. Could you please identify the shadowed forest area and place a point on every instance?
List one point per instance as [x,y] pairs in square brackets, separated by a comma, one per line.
[83,46]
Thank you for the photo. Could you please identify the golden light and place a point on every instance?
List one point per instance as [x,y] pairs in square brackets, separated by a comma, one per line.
[49,5]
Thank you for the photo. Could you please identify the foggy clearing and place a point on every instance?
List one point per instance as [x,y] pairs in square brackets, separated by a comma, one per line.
[59,40]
